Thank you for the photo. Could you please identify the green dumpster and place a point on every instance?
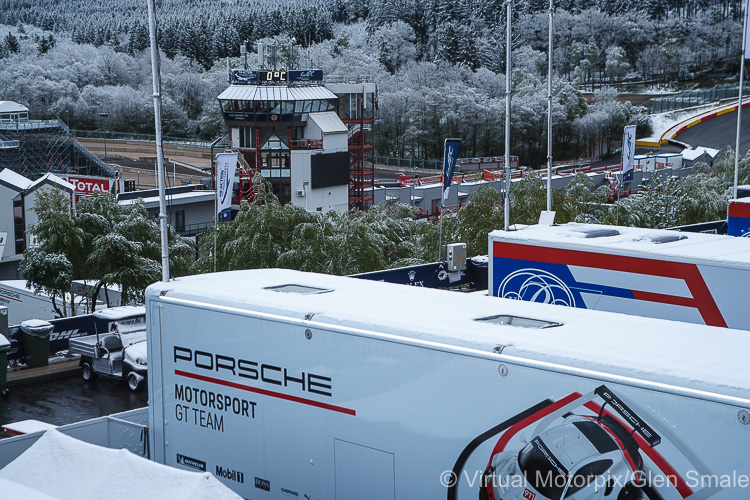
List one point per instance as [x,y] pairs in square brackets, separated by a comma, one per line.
[35,334]
[4,348]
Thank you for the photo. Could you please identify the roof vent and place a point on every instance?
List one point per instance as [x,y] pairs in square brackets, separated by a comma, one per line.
[667,238]
[304,289]
[599,233]
[506,319]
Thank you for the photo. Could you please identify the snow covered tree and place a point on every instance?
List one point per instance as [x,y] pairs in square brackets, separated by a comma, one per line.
[395,42]
[483,213]
[50,267]
[50,274]
[616,65]
[11,43]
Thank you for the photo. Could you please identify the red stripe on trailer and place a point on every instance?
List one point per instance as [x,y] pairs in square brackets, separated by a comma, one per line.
[689,273]
[674,477]
[265,392]
[11,298]
[739,209]
[617,440]
[664,299]
[514,429]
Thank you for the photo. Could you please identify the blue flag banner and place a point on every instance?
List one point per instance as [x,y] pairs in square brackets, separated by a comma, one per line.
[628,153]
[450,155]
[226,165]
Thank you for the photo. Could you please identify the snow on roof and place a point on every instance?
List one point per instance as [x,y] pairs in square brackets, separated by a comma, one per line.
[50,177]
[114,313]
[16,180]
[12,107]
[693,154]
[329,122]
[18,284]
[712,249]
[27,426]
[174,199]
[276,93]
[697,356]
[63,467]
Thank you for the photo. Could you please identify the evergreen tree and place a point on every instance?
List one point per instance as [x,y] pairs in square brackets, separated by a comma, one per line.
[11,43]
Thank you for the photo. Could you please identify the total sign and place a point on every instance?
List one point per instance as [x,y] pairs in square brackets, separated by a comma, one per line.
[90,185]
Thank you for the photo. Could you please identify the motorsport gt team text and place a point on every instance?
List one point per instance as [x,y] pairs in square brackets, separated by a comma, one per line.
[209,400]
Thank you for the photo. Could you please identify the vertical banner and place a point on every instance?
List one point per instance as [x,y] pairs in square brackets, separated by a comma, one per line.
[628,153]
[450,155]
[745,39]
[226,164]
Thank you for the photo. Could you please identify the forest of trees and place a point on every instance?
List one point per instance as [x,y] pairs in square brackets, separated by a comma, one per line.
[439,64]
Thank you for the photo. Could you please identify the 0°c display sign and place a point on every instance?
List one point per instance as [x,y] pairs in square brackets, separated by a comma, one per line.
[260,76]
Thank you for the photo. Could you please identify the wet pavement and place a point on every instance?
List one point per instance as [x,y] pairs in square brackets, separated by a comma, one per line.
[69,400]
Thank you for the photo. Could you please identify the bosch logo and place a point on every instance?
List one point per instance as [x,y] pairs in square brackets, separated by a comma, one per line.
[535,285]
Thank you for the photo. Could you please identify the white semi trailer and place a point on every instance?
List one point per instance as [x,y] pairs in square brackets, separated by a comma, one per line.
[694,277]
[295,385]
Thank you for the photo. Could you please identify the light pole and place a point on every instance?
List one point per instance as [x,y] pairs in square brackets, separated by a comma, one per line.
[104,116]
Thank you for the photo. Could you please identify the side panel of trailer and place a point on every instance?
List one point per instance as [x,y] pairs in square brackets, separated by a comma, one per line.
[278,407]
[642,284]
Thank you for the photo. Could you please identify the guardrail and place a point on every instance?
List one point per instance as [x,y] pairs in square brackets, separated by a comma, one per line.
[123,136]
[34,125]
[697,97]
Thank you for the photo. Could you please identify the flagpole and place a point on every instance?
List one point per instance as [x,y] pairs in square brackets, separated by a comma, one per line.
[450,157]
[549,113]
[442,201]
[216,207]
[739,100]
[507,116]
[155,69]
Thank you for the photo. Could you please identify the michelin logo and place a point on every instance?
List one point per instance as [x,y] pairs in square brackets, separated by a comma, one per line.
[191,462]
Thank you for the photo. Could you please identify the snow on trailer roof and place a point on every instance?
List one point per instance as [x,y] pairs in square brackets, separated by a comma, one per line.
[718,250]
[687,355]
[120,312]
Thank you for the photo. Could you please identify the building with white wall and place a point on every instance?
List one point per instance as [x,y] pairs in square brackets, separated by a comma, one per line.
[17,197]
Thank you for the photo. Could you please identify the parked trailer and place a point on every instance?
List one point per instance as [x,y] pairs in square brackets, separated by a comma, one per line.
[23,303]
[102,320]
[290,384]
[693,277]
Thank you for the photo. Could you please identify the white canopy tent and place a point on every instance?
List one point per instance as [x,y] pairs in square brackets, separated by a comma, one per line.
[60,467]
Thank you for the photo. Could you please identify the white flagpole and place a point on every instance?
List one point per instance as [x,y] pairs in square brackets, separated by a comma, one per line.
[549,113]
[507,117]
[739,101]
[155,69]
[216,204]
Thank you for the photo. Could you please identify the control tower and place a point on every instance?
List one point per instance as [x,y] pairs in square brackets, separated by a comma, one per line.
[312,142]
